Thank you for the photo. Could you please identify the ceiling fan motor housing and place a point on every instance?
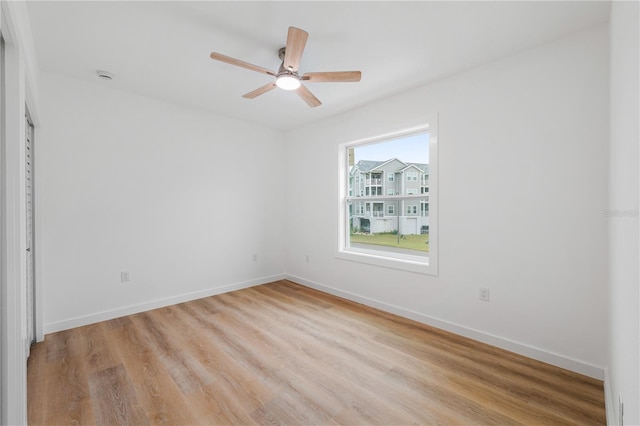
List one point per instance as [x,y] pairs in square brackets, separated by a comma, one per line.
[281,53]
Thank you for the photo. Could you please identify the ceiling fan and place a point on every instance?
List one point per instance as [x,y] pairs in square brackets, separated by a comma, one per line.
[287,77]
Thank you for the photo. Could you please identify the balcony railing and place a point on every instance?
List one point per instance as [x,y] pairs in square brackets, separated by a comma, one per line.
[370,214]
[374,182]
[382,214]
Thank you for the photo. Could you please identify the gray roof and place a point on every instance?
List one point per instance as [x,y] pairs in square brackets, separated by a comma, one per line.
[366,166]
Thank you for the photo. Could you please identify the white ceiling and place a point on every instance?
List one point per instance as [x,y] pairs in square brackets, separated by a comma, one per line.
[161,48]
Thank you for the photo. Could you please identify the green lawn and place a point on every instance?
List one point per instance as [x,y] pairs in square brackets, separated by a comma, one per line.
[411,242]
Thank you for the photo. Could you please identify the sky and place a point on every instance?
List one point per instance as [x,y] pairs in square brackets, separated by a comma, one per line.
[410,149]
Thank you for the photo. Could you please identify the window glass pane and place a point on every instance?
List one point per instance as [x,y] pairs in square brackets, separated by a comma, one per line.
[403,226]
[383,229]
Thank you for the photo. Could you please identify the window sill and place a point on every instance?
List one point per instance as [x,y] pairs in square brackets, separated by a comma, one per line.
[415,264]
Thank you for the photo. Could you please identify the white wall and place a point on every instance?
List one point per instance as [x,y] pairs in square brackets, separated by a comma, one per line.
[180,198]
[624,187]
[523,190]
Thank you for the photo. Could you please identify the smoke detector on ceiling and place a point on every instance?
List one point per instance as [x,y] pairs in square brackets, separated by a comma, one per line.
[105,75]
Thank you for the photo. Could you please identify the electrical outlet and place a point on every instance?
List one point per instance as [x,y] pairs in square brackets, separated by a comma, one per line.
[484,294]
[255,257]
[124,277]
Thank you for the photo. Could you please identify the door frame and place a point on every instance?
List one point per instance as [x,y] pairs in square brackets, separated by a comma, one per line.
[19,78]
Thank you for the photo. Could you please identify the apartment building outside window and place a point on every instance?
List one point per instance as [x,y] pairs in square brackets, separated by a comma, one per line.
[391,224]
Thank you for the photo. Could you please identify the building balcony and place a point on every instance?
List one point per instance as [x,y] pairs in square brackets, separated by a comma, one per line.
[370,214]
[377,182]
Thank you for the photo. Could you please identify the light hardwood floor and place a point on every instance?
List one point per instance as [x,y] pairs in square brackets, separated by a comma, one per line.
[281,353]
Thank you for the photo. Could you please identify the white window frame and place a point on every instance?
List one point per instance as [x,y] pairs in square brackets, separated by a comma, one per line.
[412,191]
[391,209]
[391,177]
[412,263]
[412,176]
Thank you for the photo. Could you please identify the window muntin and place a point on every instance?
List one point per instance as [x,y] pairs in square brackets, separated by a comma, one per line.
[398,222]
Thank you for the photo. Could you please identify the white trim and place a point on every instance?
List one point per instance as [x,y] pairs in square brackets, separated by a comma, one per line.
[552,358]
[419,264]
[14,366]
[610,403]
[155,304]
[21,72]
[3,355]
[390,260]
[415,167]
[16,29]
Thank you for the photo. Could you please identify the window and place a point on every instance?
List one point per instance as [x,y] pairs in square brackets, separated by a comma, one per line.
[409,220]
[412,175]
[424,208]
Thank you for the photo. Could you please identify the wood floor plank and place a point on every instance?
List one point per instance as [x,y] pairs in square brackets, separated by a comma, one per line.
[186,373]
[114,397]
[373,376]
[95,349]
[225,375]
[309,392]
[66,384]
[154,387]
[282,353]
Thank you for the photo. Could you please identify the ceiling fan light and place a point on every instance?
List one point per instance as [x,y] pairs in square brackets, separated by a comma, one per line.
[287,82]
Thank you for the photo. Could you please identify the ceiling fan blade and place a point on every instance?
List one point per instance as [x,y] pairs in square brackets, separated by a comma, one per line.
[308,97]
[239,63]
[296,40]
[334,76]
[259,91]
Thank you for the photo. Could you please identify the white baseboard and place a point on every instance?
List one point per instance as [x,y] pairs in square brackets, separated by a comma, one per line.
[154,304]
[481,336]
[610,402]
